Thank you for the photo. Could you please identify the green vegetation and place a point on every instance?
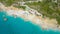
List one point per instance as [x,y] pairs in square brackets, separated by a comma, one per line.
[48,8]
[22,7]
[9,2]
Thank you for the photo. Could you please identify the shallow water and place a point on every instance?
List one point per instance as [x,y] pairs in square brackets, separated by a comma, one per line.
[20,26]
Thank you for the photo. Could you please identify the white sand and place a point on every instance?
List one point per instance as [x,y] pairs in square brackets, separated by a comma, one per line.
[44,23]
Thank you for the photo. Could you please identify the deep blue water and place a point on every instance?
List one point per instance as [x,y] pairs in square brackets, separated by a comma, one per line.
[20,26]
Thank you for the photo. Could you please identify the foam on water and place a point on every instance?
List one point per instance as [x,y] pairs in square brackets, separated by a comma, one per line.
[20,26]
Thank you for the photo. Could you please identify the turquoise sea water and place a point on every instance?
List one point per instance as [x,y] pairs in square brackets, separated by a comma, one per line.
[20,26]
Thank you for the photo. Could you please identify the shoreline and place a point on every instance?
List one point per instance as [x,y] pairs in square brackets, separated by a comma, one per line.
[38,20]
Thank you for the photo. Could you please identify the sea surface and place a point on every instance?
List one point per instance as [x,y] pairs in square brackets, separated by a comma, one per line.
[18,25]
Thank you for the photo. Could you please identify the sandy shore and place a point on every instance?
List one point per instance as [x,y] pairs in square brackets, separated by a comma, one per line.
[45,23]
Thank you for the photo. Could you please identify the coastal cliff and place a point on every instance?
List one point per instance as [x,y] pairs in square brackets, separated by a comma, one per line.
[31,15]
